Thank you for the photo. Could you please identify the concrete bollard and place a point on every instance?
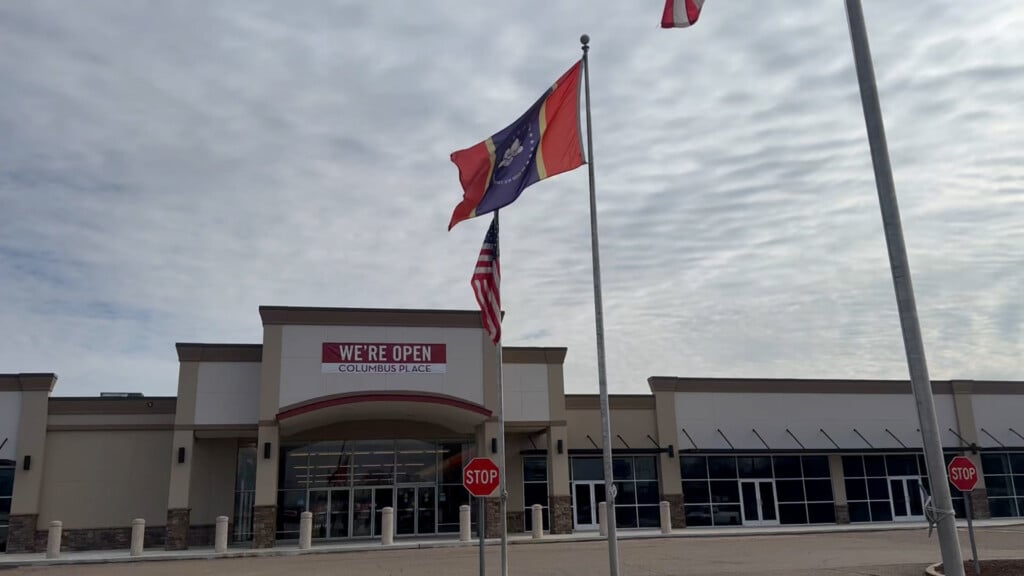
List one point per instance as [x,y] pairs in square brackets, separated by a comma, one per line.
[602,518]
[138,536]
[53,539]
[464,523]
[387,525]
[220,535]
[666,518]
[538,521]
[306,530]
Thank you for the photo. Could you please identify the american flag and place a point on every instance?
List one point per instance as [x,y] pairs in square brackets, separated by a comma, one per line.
[486,283]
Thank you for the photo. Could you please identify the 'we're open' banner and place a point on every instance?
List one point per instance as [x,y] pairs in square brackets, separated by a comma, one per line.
[383,358]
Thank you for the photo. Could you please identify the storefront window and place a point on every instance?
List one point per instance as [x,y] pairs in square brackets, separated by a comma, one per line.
[245,493]
[535,489]
[1004,480]
[712,496]
[636,484]
[888,487]
[6,489]
[345,484]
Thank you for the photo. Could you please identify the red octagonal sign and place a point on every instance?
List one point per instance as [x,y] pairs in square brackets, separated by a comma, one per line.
[480,477]
[962,473]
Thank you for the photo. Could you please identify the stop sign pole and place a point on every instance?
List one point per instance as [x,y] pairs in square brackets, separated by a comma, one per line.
[964,475]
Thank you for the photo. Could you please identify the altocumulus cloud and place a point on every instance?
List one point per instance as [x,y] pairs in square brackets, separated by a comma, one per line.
[167,168]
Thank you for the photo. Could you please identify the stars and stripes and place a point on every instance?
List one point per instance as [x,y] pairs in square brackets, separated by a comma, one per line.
[681,13]
[486,283]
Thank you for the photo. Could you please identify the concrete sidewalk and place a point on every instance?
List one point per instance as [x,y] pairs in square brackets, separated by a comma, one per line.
[291,549]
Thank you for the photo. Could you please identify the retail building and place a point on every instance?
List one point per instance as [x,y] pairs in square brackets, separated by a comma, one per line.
[345,411]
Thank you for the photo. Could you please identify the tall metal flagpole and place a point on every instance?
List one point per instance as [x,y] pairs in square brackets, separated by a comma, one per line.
[501,424]
[921,384]
[606,443]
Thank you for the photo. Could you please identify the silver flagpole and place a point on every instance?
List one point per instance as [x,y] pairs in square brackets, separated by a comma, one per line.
[949,544]
[501,422]
[602,379]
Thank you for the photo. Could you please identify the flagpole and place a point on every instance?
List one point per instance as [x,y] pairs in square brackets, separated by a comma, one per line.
[913,344]
[501,425]
[602,379]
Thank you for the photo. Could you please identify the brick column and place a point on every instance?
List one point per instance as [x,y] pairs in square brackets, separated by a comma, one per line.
[560,508]
[264,526]
[21,535]
[177,529]
[675,506]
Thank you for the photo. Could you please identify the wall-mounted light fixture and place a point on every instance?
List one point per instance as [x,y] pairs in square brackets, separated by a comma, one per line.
[27,463]
[671,451]
[494,445]
[181,454]
[559,445]
[266,450]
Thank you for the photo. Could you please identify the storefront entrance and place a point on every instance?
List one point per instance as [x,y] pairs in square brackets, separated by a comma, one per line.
[347,484]
[415,510]
[907,498]
[586,496]
[760,505]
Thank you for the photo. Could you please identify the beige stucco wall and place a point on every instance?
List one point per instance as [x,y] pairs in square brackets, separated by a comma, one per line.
[632,424]
[213,479]
[105,479]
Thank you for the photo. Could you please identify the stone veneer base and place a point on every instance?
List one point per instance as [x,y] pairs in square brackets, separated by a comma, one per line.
[979,503]
[264,526]
[842,514]
[676,512]
[21,533]
[176,536]
[560,508]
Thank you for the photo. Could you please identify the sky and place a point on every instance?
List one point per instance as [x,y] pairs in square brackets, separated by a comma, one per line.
[168,167]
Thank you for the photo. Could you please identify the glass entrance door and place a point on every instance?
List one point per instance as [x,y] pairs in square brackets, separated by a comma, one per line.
[907,499]
[339,509]
[415,510]
[760,507]
[367,504]
[586,496]
[330,508]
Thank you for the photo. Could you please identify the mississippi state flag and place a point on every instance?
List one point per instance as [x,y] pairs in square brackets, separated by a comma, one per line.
[681,13]
[543,142]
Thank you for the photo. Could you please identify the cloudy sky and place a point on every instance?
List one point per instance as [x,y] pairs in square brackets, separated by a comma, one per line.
[168,167]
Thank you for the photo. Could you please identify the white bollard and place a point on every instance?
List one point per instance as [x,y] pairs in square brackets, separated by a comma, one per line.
[306,530]
[387,525]
[220,535]
[53,540]
[602,518]
[138,536]
[464,523]
[666,518]
[538,521]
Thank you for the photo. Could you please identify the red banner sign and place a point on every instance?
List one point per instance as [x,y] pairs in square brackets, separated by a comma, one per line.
[383,358]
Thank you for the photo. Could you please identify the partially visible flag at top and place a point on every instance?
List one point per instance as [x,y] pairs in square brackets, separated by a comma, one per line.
[486,283]
[681,13]
[543,142]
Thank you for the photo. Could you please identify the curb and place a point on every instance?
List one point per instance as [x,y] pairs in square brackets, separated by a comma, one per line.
[116,556]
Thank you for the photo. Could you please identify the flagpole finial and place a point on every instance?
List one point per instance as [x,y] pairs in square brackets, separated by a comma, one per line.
[585,40]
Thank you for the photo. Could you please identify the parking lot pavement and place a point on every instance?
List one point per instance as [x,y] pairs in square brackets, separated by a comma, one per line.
[882,553]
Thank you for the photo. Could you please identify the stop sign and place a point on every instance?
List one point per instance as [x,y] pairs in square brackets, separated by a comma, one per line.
[963,473]
[480,477]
